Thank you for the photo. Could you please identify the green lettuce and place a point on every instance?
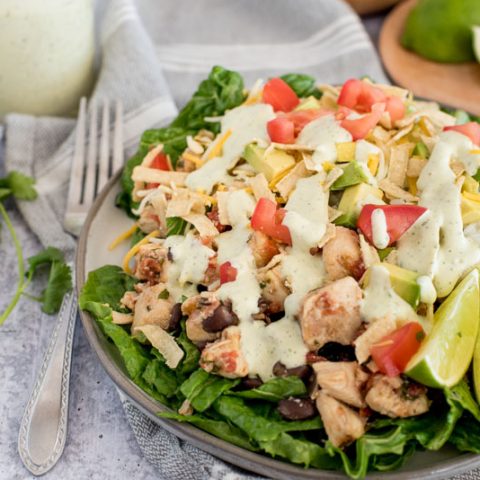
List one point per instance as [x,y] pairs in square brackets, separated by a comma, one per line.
[275,389]
[302,85]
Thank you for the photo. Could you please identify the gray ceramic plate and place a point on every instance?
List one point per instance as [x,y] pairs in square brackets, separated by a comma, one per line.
[103,224]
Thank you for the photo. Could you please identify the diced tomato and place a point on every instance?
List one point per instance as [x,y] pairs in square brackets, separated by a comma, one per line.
[281,130]
[395,107]
[300,118]
[228,273]
[280,95]
[360,127]
[399,219]
[267,218]
[470,129]
[359,95]
[393,352]
[160,162]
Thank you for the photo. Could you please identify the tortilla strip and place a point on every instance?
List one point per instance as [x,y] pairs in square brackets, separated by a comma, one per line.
[121,318]
[369,254]
[163,342]
[153,175]
[260,188]
[394,191]
[397,168]
[333,214]
[183,202]
[150,156]
[287,184]
[415,166]
[222,205]
[203,224]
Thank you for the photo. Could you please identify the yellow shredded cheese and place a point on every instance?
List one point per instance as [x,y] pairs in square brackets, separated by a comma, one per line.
[253,99]
[472,196]
[123,236]
[217,148]
[134,250]
[193,158]
[412,185]
[276,179]
[475,151]
[372,163]
[328,166]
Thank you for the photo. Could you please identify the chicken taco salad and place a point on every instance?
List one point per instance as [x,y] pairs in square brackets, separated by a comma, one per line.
[302,279]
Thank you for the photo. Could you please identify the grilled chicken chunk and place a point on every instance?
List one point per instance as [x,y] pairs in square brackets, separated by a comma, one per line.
[372,335]
[274,290]
[198,308]
[342,380]
[150,263]
[263,248]
[393,397]
[224,357]
[342,424]
[150,309]
[342,255]
[331,314]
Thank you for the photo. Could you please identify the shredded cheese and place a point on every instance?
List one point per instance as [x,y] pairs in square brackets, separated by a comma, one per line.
[134,250]
[372,163]
[276,179]
[218,145]
[122,237]
[193,158]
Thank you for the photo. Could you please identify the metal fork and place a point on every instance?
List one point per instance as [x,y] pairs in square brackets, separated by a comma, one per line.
[43,428]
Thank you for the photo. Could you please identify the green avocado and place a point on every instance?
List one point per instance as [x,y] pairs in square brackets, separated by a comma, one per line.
[403,281]
[271,164]
[309,103]
[421,150]
[440,30]
[353,174]
[352,201]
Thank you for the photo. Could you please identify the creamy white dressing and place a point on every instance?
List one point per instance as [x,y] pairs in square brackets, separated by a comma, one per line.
[466,152]
[436,245]
[381,239]
[323,134]
[363,150]
[381,301]
[246,123]
[428,294]
[190,262]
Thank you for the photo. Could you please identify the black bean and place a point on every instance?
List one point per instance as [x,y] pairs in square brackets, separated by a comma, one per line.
[297,408]
[169,255]
[336,352]
[249,383]
[175,317]
[221,318]
[303,371]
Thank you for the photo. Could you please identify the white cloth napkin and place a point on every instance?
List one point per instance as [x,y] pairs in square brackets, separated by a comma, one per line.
[259,39]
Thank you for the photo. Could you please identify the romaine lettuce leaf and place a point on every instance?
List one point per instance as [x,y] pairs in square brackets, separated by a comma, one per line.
[275,389]
[302,85]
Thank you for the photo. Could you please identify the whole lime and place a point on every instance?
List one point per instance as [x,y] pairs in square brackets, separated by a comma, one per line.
[440,30]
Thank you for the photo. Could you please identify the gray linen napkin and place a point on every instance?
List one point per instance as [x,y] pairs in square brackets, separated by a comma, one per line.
[259,39]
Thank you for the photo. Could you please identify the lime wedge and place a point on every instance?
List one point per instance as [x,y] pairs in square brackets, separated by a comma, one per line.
[447,351]
[476,41]
[476,369]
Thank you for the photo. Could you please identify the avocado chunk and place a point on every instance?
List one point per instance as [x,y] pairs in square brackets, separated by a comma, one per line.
[309,103]
[353,200]
[403,281]
[271,164]
[421,150]
[470,206]
[353,174]
[346,151]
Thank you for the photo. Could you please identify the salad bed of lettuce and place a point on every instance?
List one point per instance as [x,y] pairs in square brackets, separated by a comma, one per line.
[221,406]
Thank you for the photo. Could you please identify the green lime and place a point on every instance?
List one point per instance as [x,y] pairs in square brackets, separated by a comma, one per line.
[447,351]
[440,30]
[476,41]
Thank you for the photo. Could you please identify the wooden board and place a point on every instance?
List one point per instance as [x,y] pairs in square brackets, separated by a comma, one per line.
[452,84]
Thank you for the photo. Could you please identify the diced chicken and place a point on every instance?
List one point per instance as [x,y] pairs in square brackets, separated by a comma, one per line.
[153,307]
[263,248]
[150,221]
[224,357]
[342,380]
[393,397]
[372,335]
[198,308]
[331,314]
[342,424]
[128,300]
[121,318]
[342,255]
[274,290]
[150,263]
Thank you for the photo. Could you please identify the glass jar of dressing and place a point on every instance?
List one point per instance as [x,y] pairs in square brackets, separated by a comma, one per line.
[46,55]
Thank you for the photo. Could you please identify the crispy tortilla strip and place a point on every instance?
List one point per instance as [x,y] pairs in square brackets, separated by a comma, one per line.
[260,188]
[333,214]
[222,205]
[457,168]
[431,110]
[430,142]
[415,166]
[150,156]
[393,191]
[203,224]
[153,175]
[121,318]
[163,342]
[392,90]
[369,254]
[183,202]
[380,135]
[400,134]
[334,174]
[329,234]
[286,185]
[397,167]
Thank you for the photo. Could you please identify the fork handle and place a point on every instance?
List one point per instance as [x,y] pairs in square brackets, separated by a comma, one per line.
[43,428]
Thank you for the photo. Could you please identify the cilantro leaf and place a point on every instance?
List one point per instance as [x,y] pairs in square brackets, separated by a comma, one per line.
[47,256]
[20,186]
[4,193]
[176,226]
[59,283]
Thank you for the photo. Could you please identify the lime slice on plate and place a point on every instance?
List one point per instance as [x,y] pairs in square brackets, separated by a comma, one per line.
[447,351]
[476,41]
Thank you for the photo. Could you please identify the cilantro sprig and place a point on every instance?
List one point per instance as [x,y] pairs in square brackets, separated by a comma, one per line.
[21,187]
